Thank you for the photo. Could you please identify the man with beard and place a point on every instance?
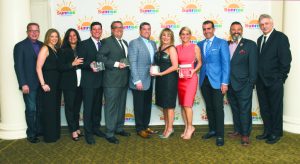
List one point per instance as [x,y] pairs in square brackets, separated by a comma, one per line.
[243,72]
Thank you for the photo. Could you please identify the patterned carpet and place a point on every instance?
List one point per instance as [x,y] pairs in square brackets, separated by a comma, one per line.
[143,151]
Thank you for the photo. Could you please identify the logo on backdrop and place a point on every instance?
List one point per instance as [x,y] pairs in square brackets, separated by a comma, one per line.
[195,38]
[84,24]
[191,6]
[107,8]
[252,22]
[129,23]
[216,20]
[203,115]
[154,37]
[149,7]
[233,6]
[66,8]
[256,115]
[171,22]
[176,115]
[129,116]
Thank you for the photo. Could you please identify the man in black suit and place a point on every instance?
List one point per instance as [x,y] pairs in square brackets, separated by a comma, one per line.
[91,83]
[274,61]
[115,81]
[25,56]
[243,72]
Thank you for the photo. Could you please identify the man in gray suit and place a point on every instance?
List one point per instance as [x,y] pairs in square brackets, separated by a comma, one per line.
[140,54]
[115,81]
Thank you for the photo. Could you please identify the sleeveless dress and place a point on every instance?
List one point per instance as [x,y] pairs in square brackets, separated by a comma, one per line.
[187,87]
[165,86]
[50,100]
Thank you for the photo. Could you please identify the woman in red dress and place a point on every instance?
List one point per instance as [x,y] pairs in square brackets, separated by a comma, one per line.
[189,60]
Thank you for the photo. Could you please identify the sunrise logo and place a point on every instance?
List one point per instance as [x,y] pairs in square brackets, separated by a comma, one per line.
[154,37]
[107,8]
[176,115]
[149,7]
[252,22]
[129,116]
[129,23]
[171,22]
[84,24]
[216,20]
[233,6]
[65,8]
[191,6]
[256,115]
[227,37]
[195,38]
[203,115]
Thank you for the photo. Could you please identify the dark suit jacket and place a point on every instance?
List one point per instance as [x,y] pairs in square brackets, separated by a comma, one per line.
[25,64]
[243,65]
[109,54]
[88,51]
[68,72]
[274,61]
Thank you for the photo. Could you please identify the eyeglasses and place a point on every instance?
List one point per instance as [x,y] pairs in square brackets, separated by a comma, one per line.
[118,27]
[34,31]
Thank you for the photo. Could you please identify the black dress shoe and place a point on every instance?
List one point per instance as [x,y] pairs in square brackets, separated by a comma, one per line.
[220,141]
[209,135]
[123,133]
[262,136]
[33,139]
[90,140]
[99,133]
[272,139]
[113,140]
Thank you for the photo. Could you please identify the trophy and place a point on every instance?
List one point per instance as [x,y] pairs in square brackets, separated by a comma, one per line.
[125,61]
[185,71]
[98,66]
[154,69]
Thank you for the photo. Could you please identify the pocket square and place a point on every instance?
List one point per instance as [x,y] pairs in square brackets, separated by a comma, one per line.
[214,49]
[242,52]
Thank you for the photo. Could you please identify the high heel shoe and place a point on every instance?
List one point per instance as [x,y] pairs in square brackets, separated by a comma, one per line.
[75,138]
[167,136]
[188,137]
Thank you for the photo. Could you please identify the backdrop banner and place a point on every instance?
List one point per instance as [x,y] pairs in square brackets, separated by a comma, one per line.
[173,14]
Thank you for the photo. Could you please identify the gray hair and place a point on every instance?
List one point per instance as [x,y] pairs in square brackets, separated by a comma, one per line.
[262,16]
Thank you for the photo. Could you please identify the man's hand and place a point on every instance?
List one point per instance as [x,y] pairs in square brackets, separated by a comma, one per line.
[122,65]
[25,89]
[224,88]
[92,66]
[139,86]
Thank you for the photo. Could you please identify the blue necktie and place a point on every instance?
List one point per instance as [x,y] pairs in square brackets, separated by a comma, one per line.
[99,45]
[207,47]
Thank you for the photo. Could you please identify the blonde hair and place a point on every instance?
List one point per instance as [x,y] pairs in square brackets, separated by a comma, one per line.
[185,29]
[168,31]
[47,37]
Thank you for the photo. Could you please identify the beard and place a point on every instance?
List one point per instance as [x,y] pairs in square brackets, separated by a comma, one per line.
[235,37]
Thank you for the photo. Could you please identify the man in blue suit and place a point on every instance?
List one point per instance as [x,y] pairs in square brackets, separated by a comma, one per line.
[25,56]
[214,79]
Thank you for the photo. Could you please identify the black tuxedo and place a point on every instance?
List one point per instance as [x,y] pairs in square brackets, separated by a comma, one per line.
[115,84]
[68,84]
[243,73]
[91,83]
[273,68]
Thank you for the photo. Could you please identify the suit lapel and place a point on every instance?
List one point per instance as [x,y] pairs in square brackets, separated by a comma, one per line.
[29,45]
[145,47]
[269,41]
[210,48]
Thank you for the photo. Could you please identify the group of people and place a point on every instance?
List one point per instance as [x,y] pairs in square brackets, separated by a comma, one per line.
[85,71]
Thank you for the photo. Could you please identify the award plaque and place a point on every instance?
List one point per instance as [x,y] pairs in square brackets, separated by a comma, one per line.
[185,71]
[98,66]
[125,61]
[154,69]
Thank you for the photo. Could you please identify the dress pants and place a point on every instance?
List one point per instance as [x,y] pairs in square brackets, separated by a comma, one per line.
[241,107]
[92,105]
[214,107]
[114,109]
[30,100]
[73,100]
[142,103]
[270,100]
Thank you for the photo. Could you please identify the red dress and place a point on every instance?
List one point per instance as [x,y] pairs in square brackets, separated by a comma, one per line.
[187,87]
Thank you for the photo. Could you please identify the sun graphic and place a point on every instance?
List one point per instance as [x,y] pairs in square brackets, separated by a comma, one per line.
[84,23]
[191,6]
[234,4]
[149,5]
[227,36]
[252,21]
[129,22]
[154,37]
[195,38]
[65,8]
[170,22]
[216,20]
[107,7]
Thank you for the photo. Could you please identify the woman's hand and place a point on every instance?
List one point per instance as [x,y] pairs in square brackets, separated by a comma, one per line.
[77,61]
[46,88]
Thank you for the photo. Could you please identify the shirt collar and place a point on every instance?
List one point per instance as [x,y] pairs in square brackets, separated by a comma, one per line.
[144,39]
[95,41]
[269,33]
[211,39]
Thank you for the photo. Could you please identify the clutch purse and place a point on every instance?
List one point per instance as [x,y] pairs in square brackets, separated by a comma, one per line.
[185,70]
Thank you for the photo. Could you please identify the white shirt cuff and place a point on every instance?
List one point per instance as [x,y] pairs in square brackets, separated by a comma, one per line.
[137,82]
[117,64]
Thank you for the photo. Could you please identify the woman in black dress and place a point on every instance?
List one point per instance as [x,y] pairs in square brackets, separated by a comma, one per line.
[48,74]
[70,79]
[166,80]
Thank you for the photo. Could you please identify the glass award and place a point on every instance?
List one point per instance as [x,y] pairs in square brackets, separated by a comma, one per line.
[154,69]
[98,66]
[185,71]
[125,61]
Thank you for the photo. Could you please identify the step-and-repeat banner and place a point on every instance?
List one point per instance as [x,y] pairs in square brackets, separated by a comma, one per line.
[173,14]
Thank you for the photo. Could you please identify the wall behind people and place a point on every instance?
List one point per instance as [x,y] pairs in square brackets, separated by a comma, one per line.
[160,14]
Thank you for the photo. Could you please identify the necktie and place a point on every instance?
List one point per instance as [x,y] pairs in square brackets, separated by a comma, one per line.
[99,45]
[263,44]
[207,47]
[122,46]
